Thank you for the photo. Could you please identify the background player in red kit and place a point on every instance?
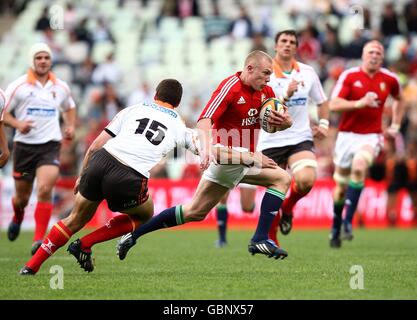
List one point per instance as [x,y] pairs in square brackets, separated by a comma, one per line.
[232,113]
[360,95]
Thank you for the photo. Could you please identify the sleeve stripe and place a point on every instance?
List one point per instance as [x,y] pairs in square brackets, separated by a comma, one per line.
[216,102]
[339,85]
[109,132]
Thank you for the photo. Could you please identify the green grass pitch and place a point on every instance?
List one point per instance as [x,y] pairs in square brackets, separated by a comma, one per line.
[184,264]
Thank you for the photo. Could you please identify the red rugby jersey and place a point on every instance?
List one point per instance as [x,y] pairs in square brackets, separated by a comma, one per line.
[353,84]
[234,109]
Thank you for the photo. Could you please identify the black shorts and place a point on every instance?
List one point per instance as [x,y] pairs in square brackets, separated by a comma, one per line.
[28,157]
[281,154]
[107,178]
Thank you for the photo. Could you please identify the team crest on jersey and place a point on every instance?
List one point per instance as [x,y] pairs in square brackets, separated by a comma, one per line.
[53,94]
[382,86]
[263,97]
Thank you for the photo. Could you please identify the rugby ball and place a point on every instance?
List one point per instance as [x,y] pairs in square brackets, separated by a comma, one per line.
[267,106]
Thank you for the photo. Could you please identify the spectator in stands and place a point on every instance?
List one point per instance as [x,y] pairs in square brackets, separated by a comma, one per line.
[168,9]
[258,42]
[191,111]
[410,14]
[108,71]
[309,47]
[108,103]
[48,37]
[83,74]
[242,27]
[142,93]
[43,22]
[102,32]
[389,21]
[330,45]
[216,25]
[354,49]
[83,34]
[186,8]
[70,17]
[6,6]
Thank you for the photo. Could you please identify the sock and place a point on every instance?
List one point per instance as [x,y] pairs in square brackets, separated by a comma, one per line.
[289,202]
[42,215]
[166,219]
[271,202]
[19,213]
[115,227]
[353,193]
[222,214]
[337,217]
[57,237]
[273,231]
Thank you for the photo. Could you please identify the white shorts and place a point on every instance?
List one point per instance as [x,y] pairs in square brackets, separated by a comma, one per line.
[348,143]
[247,186]
[226,175]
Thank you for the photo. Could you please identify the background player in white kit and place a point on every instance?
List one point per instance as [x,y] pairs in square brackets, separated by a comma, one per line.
[116,168]
[4,149]
[295,83]
[37,100]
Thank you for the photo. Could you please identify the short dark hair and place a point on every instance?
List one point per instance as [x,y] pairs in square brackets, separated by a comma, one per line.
[169,90]
[290,32]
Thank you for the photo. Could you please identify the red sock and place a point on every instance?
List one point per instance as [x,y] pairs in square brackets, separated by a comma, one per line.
[19,213]
[273,230]
[57,237]
[115,227]
[42,214]
[289,203]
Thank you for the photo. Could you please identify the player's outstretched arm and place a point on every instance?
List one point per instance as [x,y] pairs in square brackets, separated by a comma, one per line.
[4,149]
[398,109]
[205,139]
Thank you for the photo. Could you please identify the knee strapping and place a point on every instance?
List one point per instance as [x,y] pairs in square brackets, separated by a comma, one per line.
[365,155]
[340,179]
[300,164]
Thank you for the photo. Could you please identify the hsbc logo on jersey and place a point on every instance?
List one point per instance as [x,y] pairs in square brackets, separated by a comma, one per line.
[252,113]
